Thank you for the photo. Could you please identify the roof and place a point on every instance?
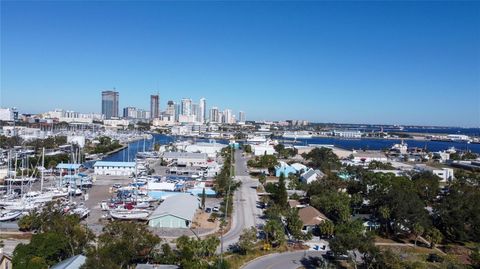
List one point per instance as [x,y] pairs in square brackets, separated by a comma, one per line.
[311,216]
[309,174]
[293,203]
[74,262]
[182,206]
[117,164]
[369,154]
[69,166]
[298,166]
[184,155]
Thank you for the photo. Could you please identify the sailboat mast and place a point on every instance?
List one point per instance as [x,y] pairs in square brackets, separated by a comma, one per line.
[43,169]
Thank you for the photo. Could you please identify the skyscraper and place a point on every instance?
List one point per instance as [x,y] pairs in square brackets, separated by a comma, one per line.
[154,106]
[170,108]
[241,116]
[227,115]
[177,111]
[203,110]
[195,112]
[214,117]
[110,104]
[186,107]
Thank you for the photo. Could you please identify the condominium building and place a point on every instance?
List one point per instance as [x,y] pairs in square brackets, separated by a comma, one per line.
[110,104]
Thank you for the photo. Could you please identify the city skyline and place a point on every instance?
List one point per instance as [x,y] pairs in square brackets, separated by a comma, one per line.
[410,63]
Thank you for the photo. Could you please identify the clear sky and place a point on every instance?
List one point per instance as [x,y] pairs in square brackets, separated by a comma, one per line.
[353,62]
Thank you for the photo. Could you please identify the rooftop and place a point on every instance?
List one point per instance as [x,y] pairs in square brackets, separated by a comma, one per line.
[117,164]
[181,205]
[311,216]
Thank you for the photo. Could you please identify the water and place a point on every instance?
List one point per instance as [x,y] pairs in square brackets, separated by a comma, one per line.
[380,144]
[128,154]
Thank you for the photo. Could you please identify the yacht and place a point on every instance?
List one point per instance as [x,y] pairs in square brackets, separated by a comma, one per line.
[134,214]
[9,215]
[297,134]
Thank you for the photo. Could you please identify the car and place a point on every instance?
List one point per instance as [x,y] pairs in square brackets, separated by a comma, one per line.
[208,210]
[215,209]
[332,256]
[117,186]
[434,258]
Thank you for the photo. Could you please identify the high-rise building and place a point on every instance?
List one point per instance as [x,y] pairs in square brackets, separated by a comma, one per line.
[130,112]
[170,111]
[186,107]
[228,116]
[195,112]
[110,104]
[203,110]
[241,116]
[214,117]
[177,112]
[154,106]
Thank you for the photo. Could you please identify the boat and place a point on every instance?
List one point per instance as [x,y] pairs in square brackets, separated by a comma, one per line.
[10,215]
[23,180]
[134,214]
[81,211]
[299,134]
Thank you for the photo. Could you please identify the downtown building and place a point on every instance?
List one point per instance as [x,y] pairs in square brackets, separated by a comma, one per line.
[110,104]
[155,106]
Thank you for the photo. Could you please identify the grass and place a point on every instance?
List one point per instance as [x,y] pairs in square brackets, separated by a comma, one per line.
[236,260]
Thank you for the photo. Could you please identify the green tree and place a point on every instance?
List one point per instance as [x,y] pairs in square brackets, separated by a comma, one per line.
[281,195]
[275,232]
[45,249]
[417,231]
[434,236]
[336,205]
[122,244]
[327,228]
[426,185]
[246,243]
[262,179]
[203,199]
[295,225]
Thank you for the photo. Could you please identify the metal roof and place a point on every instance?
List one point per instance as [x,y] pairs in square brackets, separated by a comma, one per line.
[184,155]
[117,164]
[69,166]
[74,262]
[182,206]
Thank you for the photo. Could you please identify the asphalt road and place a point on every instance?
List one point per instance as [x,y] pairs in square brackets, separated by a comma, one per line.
[288,260]
[245,212]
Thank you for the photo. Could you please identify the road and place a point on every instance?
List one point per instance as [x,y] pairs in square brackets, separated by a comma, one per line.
[245,212]
[287,260]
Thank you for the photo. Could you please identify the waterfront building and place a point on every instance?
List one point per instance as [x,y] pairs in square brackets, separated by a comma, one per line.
[177,211]
[347,134]
[114,168]
[154,106]
[110,104]
[203,110]
[186,158]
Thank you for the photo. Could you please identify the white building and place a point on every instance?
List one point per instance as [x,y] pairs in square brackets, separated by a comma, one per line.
[114,168]
[347,134]
[211,149]
[262,149]
[241,117]
[185,158]
[7,114]
[311,175]
[76,139]
[445,174]
[203,110]
[365,157]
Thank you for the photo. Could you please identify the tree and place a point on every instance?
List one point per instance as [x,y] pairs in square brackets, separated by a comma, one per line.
[246,243]
[281,195]
[275,232]
[45,249]
[327,228]
[203,199]
[323,159]
[475,258]
[336,205]
[122,244]
[262,179]
[247,149]
[417,231]
[434,236]
[195,253]
[426,185]
[295,225]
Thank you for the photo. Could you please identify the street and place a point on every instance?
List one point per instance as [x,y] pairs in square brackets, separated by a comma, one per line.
[287,260]
[245,213]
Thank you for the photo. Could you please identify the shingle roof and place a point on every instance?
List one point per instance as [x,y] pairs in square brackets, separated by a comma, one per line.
[182,206]
[311,216]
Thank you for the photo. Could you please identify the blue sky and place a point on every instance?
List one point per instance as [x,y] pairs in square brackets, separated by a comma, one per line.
[353,62]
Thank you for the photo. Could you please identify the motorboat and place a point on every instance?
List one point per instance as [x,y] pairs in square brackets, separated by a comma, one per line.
[134,214]
[9,215]
[81,211]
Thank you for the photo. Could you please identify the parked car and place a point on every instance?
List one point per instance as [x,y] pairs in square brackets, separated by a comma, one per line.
[208,210]
[434,258]
[332,256]
[215,209]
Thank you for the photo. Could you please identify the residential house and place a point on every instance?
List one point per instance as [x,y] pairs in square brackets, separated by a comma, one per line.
[310,218]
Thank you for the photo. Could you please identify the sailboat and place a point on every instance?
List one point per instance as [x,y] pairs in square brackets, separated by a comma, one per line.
[9,215]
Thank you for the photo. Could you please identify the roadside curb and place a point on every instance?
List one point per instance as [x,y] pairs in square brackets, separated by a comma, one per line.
[271,254]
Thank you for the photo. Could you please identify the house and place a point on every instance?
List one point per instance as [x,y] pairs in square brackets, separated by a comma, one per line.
[175,212]
[114,168]
[311,175]
[284,168]
[445,174]
[310,218]
[74,262]
[5,262]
